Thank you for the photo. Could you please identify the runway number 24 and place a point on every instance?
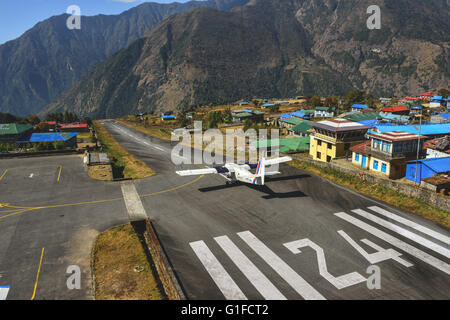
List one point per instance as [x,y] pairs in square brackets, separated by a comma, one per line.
[350,279]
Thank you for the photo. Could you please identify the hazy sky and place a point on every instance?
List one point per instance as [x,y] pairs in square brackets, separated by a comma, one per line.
[17,16]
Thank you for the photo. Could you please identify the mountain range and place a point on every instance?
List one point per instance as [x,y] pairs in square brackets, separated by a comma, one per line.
[49,58]
[247,49]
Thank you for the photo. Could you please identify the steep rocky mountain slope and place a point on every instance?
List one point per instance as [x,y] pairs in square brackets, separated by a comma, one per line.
[271,48]
[49,58]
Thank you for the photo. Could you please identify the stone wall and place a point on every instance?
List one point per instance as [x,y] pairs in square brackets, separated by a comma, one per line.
[166,275]
[432,198]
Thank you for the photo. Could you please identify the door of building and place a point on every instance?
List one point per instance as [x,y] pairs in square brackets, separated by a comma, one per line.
[364,161]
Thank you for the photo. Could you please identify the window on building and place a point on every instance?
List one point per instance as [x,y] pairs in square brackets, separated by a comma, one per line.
[376,144]
[319,142]
[319,155]
[328,159]
[384,168]
[330,146]
[375,165]
[356,156]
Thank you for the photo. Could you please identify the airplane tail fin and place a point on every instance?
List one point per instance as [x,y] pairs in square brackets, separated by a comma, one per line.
[260,172]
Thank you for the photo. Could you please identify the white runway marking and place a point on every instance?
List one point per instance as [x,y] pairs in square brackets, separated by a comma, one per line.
[133,203]
[3,292]
[419,254]
[253,274]
[377,257]
[412,224]
[31,175]
[407,234]
[282,268]
[220,276]
[340,282]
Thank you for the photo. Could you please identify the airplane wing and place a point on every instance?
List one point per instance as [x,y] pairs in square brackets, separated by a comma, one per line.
[272,173]
[197,172]
[269,162]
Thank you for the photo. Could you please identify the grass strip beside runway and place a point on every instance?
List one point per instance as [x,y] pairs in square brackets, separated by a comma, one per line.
[121,267]
[378,192]
[128,165]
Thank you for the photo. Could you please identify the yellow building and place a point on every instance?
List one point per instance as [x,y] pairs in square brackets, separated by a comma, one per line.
[333,139]
[388,153]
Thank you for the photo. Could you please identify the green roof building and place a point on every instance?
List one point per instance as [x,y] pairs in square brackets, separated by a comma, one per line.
[286,145]
[362,116]
[11,132]
[301,129]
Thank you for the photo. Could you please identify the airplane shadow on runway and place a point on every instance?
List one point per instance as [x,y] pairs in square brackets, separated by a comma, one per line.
[270,194]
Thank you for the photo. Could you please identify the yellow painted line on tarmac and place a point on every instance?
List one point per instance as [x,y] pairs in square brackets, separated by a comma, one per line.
[59,174]
[4,173]
[26,209]
[37,276]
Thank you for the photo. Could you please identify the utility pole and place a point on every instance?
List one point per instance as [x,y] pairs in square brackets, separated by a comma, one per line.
[418,145]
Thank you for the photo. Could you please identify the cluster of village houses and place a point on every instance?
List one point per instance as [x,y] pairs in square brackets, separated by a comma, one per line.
[391,142]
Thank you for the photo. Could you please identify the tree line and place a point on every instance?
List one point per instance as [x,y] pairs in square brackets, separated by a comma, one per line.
[59,117]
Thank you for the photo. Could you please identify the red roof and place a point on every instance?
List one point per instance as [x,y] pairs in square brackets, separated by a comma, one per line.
[411,98]
[396,136]
[361,148]
[432,144]
[395,109]
[52,123]
[73,126]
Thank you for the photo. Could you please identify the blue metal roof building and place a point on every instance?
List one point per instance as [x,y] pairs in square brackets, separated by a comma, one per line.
[427,129]
[50,137]
[426,168]
[285,116]
[394,117]
[359,107]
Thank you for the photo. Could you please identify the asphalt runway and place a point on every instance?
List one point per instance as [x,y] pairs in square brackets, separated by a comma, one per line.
[225,225]
[224,242]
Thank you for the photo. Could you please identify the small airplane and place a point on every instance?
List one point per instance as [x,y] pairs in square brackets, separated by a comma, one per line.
[235,173]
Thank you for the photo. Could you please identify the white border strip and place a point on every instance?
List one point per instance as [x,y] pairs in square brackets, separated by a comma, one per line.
[223,280]
[411,224]
[3,293]
[405,233]
[253,274]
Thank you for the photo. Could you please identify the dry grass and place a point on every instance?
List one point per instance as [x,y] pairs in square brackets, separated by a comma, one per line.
[117,253]
[132,167]
[379,192]
[100,172]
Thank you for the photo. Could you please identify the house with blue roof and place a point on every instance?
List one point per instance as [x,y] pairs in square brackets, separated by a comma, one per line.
[431,130]
[438,101]
[440,118]
[359,107]
[390,117]
[426,168]
[68,138]
[285,116]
